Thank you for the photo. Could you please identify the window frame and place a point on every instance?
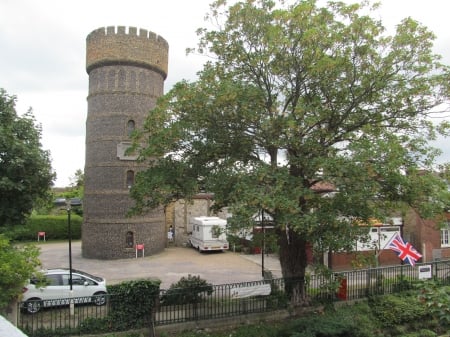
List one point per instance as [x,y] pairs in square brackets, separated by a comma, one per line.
[445,236]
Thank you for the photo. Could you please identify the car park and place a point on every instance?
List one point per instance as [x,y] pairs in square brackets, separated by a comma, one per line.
[54,289]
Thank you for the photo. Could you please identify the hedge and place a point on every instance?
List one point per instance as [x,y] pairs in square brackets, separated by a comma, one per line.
[54,226]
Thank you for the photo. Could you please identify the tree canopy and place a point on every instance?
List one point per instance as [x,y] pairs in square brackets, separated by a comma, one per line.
[25,168]
[299,100]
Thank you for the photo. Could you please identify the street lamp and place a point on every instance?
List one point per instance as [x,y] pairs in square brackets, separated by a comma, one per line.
[263,242]
[69,204]
[69,234]
[72,203]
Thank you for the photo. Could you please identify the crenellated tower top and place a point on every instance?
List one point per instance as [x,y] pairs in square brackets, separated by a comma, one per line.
[113,46]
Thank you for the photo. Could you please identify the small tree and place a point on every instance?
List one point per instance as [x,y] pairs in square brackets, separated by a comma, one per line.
[16,266]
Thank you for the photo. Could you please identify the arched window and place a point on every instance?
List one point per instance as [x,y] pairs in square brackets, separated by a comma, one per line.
[130,127]
[130,178]
[129,240]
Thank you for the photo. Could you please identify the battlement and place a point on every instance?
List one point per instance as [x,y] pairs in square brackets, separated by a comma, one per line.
[118,45]
[131,31]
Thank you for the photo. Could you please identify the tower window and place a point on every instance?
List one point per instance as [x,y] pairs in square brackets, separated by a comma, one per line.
[130,127]
[130,178]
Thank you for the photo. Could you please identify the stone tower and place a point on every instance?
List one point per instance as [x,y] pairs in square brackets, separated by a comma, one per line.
[126,72]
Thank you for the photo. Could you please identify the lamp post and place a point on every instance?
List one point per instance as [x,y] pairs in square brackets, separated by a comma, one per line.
[263,242]
[72,202]
[69,204]
[69,234]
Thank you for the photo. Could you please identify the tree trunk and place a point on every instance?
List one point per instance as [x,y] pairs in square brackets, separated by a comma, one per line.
[293,261]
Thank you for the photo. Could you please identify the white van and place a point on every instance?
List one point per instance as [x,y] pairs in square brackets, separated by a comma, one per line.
[208,233]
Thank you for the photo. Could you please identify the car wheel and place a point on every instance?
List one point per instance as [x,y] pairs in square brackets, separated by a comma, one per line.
[33,305]
[99,298]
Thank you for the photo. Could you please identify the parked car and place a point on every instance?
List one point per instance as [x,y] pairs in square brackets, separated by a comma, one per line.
[54,290]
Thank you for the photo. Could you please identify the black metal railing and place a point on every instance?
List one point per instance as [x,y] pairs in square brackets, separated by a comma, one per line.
[228,300]
[224,300]
[59,314]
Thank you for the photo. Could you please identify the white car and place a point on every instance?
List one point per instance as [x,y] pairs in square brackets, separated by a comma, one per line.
[86,288]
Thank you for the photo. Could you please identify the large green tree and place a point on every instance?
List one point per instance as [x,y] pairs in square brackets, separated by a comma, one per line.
[297,100]
[25,168]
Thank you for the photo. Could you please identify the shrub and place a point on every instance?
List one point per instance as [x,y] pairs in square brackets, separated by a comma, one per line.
[348,321]
[421,333]
[436,300]
[402,283]
[132,304]
[131,307]
[392,310]
[189,289]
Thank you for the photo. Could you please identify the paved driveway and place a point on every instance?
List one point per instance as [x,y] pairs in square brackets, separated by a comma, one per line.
[168,266]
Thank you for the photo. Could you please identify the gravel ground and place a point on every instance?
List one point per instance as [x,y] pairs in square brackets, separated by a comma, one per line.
[168,266]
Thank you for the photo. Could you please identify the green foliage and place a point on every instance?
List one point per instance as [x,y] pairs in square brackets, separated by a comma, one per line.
[363,261]
[54,226]
[237,243]
[299,100]
[191,289]
[348,321]
[358,320]
[131,307]
[75,190]
[17,264]
[25,168]
[421,333]
[351,321]
[70,332]
[44,204]
[77,181]
[278,298]
[392,310]
[436,299]
[254,330]
[49,332]
[257,330]
[132,303]
[403,283]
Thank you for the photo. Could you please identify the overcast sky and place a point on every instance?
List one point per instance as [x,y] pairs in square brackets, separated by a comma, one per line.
[43,51]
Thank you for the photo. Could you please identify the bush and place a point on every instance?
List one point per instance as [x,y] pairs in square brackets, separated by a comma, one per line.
[187,290]
[436,299]
[131,307]
[132,304]
[421,333]
[351,321]
[402,283]
[346,321]
[392,310]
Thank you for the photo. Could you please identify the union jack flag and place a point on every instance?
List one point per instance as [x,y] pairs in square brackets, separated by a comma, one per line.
[405,250]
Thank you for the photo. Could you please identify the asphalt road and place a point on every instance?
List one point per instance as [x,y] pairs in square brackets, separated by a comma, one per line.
[168,266]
